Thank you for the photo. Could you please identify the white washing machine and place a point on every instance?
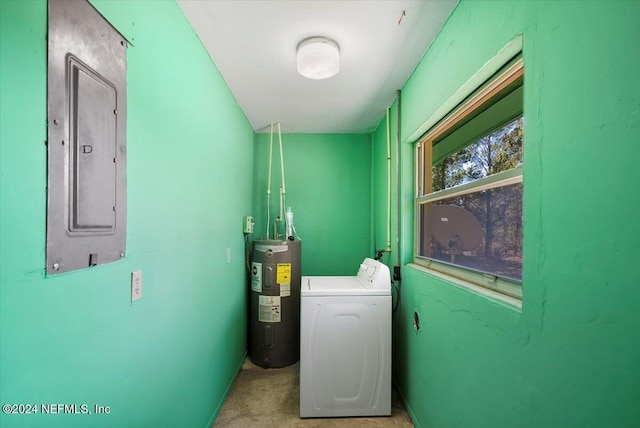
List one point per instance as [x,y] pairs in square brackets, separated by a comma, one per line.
[345,343]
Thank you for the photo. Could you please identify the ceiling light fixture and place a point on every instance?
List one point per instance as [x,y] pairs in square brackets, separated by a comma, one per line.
[318,58]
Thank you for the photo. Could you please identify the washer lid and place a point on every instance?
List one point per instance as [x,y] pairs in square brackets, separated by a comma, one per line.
[315,286]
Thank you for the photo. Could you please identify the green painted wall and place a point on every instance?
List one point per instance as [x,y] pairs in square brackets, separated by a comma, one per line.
[328,184]
[167,359]
[571,356]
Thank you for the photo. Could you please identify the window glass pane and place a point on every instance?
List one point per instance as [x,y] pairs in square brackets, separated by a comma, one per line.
[479,230]
[501,150]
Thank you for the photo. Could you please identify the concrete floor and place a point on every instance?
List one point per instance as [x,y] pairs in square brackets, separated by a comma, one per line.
[271,398]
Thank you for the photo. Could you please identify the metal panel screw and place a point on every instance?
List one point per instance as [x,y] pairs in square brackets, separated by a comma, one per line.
[121,254]
[56,266]
[56,122]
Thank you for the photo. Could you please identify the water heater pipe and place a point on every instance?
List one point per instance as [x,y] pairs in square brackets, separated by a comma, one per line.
[269,180]
[283,191]
[283,199]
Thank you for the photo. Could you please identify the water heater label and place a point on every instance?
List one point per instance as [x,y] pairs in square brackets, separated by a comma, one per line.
[256,277]
[285,290]
[269,309]
[284,273]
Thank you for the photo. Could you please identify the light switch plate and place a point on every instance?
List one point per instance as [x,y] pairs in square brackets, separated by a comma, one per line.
[136,285]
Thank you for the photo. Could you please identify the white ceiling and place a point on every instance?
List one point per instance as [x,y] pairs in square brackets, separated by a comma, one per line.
[253,44]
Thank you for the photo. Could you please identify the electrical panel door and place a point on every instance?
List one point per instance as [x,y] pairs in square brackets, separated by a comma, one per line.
[86,209]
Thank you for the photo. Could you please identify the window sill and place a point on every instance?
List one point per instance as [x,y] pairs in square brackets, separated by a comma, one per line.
[500,298]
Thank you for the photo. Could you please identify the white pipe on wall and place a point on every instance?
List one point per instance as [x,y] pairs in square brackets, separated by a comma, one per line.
[398,169]
[388,183]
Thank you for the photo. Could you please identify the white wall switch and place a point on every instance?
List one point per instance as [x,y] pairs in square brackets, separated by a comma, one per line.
[228,255]
[136,285]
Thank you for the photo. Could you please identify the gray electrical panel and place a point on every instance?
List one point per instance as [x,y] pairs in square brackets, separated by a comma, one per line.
[86,183]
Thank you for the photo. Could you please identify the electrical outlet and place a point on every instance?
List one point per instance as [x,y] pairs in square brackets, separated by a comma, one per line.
[228,255]
[136,285]
[396,273]
[247,224]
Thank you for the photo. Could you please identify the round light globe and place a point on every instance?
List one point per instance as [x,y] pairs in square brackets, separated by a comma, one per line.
[318,58]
